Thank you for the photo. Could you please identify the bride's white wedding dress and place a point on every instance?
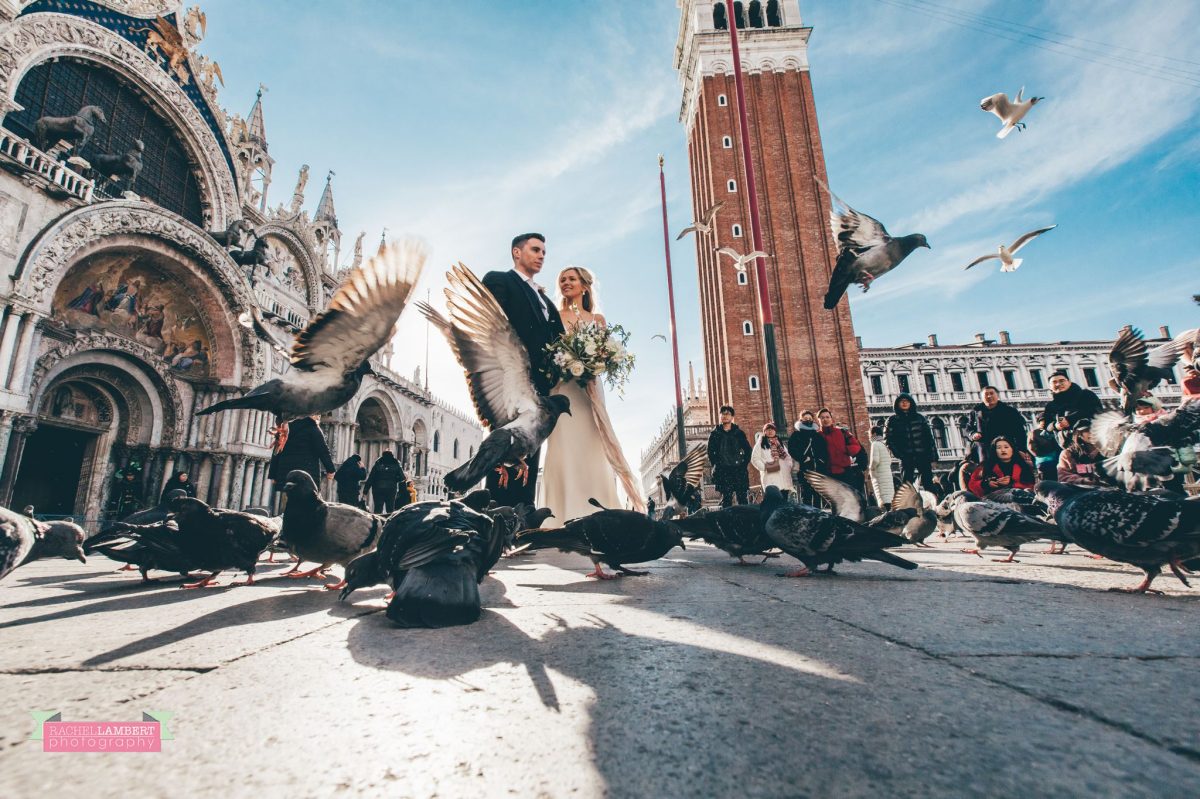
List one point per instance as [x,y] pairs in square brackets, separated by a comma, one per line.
[584,460]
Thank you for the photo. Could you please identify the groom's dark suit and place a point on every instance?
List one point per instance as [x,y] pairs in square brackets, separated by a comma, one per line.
[536,328]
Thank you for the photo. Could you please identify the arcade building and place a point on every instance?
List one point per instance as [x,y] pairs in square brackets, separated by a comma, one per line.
[135,228]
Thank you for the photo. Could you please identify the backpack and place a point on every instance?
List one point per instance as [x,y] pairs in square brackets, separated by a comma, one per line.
[860,460]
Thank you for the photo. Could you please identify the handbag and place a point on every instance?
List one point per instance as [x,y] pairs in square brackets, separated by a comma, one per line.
[771,466]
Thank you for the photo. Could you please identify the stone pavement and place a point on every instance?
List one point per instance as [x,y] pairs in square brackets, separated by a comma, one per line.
[963,678]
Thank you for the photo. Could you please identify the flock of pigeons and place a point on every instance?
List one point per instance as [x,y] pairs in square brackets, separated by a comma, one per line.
[865,250]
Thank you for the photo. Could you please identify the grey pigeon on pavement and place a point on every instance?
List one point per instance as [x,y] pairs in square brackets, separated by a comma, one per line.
[815,537]
[737,530]
[215,539]
[434,554]
[994,525]
[681,486]
[324,532]
[865,250]
[1135,369]
[497,367]
[331,354]
[1143,531]
[613,537]
[24,539]
[1005,254]
[844,499]
[910,517]
[1010,112]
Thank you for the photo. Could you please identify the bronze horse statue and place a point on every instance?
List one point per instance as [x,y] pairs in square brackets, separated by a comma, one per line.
[125,165]
[77,129]
[233,235]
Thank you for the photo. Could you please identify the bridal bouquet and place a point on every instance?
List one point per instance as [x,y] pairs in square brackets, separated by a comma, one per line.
[589,350]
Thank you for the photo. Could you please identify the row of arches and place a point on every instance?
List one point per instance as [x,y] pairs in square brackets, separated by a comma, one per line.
[755,14]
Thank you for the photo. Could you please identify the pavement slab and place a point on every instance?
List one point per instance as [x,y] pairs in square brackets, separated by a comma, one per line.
[962,678]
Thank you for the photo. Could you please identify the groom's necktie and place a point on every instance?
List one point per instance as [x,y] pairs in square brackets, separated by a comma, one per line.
[539,296]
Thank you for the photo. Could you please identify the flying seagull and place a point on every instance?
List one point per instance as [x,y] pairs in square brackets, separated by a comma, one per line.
[865,250]
[1010,112]
[1005,254]
[330,356]
[741,261]
[497,367]
[710,216]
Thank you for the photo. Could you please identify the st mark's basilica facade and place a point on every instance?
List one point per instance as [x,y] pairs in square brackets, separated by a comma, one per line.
[134,230]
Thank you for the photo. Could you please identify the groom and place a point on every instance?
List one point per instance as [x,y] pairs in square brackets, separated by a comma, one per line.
[536,322]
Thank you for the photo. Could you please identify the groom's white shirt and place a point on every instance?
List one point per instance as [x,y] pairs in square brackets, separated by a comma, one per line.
[537,291]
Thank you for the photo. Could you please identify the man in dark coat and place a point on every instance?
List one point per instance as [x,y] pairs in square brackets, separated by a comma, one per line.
[991,418]
[910,441]
[729,453]
[347,478]
[809,452]
[385,479]
[305,449]
[1069,405]
[179,482]
[537,323]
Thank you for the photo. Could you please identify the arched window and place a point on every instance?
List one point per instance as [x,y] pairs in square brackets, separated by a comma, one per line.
[731,185]
[743,278]
[774,18]
[61,88]
[437,440]
[727,142]
[471,452]
[747,328]
[938,426]
[722,100]
[720,22]
[739,13]
[756,14]
[737,231]
[754,382]
[455,448]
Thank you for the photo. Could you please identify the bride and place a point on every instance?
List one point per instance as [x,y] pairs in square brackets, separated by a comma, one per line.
[583,458]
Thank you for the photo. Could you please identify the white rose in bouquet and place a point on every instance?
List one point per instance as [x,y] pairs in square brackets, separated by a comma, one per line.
[576,369]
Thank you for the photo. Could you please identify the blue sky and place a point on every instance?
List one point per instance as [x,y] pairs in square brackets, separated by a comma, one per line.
[468,122]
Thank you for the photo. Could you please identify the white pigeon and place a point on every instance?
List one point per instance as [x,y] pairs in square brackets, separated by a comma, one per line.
[1005,254]
[710,216]
[740,261]
[1011,112]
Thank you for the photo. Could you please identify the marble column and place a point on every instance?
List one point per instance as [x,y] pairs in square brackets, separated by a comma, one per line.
[222,498]
[218,477]
[25,343]
[237,477]
[22,428]
[8,342]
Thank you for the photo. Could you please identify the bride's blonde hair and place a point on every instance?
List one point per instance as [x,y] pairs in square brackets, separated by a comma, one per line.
[588,301]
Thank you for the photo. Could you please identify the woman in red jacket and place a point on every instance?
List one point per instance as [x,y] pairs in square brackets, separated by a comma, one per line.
[1003,468]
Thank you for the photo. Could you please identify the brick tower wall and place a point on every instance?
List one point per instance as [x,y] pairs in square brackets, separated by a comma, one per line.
[818,356]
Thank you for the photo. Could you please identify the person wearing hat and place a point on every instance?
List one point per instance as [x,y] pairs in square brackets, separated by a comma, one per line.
[1045,449]
[1147,409]
[729,453]
[771,458]
[1069,405]
[1077,463]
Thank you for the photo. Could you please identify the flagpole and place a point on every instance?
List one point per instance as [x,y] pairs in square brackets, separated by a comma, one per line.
[662,186]
[760,266]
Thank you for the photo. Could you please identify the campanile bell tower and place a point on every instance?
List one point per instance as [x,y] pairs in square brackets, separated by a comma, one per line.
[818,356]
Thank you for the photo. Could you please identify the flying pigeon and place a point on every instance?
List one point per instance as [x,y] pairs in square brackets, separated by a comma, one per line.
[681,486]
[611,536]
[910,517]
[865,250]
[23,539]
[324,532]
[705,226]
[737,530]
[740,262]
[330,356]
[994,525]
[1005,254]
[1010,112]
[1143,531]
[497,367]
[1140,456]
[814,536]
[846,501]
[1135,370]
[434,554]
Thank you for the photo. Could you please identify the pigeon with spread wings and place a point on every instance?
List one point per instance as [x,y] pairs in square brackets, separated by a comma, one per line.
[865,250]
[682,485]
[497,368]
[330,356]
[1136,369]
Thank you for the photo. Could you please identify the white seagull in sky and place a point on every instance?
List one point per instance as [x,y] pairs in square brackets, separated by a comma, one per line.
[1011,112]
[702,227]
[740,261]
[1005,254]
